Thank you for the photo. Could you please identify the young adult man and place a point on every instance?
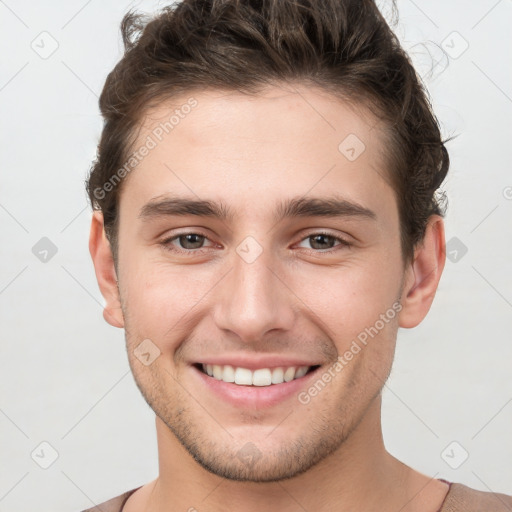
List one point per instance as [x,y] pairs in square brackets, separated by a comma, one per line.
[265,194]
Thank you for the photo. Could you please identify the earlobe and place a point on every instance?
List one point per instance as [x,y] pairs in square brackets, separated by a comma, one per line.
[423,274]
[103,261]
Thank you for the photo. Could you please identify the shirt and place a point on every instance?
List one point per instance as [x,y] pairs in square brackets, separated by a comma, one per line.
[458,499]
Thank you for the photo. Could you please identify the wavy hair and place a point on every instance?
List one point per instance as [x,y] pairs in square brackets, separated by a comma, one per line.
[345,47]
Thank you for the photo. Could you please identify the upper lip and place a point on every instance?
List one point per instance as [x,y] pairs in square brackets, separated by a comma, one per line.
[255,362]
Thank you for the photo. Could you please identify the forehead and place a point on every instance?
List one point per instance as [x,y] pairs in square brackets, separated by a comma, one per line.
[254,149]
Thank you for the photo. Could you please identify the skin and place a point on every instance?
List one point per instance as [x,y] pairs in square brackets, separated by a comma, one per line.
[295,299]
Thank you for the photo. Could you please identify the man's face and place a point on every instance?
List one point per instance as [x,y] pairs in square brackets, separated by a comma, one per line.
[256,289]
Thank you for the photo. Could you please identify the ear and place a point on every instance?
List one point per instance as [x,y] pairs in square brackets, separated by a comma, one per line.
[103,261]
[423,274]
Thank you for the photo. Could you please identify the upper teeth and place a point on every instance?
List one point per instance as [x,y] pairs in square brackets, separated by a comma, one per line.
[260,377]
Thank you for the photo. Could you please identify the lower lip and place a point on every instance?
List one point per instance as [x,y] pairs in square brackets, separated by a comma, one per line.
[254,397]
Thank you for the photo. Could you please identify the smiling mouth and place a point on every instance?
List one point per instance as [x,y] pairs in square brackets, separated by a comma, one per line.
[260,377]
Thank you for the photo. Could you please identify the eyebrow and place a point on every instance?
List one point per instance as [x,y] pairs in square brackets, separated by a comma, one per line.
[164,206]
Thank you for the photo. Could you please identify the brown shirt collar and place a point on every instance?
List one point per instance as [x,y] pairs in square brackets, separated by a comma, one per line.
[459,499]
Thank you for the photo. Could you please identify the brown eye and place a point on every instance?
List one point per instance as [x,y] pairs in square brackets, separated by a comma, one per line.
[186,243]
[325,242]
[191,241]
[322,241]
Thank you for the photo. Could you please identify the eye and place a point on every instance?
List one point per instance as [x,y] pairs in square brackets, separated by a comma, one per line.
[185,242]
[193,242]
[324,242]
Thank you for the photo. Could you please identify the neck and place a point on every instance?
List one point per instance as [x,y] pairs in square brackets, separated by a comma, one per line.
[359,475]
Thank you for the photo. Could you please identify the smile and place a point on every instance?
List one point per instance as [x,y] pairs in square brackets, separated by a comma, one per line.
[257,377]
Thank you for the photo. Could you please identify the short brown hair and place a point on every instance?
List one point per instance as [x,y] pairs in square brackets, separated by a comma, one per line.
[345,47]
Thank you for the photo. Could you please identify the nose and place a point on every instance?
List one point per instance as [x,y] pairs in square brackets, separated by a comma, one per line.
[253,299]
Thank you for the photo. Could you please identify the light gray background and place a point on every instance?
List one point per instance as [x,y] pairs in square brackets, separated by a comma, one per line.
[64,372]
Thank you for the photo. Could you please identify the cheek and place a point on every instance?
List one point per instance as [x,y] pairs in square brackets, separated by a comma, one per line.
[351,297]
[161,300]
[164,302]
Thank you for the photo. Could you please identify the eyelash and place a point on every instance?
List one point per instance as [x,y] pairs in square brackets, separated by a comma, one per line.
[167,243]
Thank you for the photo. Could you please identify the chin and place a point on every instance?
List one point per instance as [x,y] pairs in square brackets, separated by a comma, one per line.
[258,461]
